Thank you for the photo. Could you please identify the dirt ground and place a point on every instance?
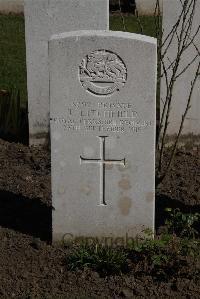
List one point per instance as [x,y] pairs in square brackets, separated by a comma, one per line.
[30,267]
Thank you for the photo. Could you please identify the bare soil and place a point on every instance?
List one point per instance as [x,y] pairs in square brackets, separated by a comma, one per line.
[30,267]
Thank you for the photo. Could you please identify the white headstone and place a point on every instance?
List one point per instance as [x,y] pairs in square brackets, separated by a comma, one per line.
[147,7]
[102,89]
[44,18]
[171,12]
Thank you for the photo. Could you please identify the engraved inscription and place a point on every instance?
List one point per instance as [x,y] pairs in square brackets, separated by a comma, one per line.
[102,162]
[102,117]
[102,73]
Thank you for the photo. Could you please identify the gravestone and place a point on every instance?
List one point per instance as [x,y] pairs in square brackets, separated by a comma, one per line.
[42,19]
[102,115]
[171,12]
[147,7]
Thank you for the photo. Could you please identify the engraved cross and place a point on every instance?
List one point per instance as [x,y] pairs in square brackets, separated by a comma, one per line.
[102,162]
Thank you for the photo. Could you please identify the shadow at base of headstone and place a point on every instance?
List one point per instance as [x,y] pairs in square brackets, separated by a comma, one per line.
[21,137]
[163,201]
[28,216]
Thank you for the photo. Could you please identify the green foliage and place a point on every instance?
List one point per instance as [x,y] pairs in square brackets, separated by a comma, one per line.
[162,254]
[154,249]
[190,247]
[13,54]
[147,24]
[105,260]
[161,257]
[148,245]
[182,224]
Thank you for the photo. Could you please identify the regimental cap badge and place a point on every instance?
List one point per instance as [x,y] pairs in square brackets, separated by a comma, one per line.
[102,73]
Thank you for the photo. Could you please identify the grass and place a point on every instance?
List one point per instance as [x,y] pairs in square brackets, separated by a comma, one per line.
[13,53]
[104,260]
[132,24]
[161,257]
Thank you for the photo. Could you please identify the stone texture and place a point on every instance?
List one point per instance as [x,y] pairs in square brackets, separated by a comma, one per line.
[147,7]
[102,88]
[44,18]
[171,12]
[13,6]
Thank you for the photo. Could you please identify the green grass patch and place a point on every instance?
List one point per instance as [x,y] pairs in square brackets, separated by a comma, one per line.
[147,24]
[161,257]
[13,54]
[104,260]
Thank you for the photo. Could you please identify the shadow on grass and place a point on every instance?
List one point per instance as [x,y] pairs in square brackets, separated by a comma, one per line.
[28,216]
[13,117]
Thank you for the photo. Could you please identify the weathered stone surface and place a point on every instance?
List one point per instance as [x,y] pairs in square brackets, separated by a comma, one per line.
[13,6]
[44,18]
[147,7]
[102,89]
[171,12]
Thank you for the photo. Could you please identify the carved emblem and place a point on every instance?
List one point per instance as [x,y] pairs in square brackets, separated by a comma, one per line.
[102,72]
